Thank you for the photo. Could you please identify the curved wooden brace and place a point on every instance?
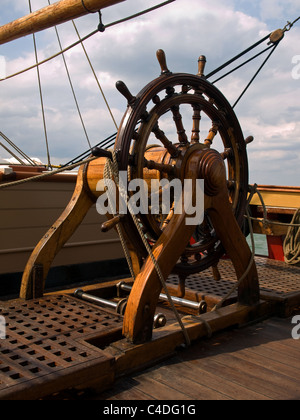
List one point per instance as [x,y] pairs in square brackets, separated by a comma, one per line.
[236,247]
[36,270]
[142,301]
[138,319]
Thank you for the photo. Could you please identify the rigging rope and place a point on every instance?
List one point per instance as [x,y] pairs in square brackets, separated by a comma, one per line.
[117,22]
[96,78]
[243,64]
[107,143]
[254,77]
[18,150]
[71,86]
[41,95]
[46,174]
[232,60]
[254,190]
[273,43]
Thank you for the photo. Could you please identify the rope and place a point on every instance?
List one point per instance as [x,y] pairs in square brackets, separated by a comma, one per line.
[114,171]
[235,286]
[86,8]
[220,304]
[256,74]
[17,149]
[71,86]
[289,25]
[254,190]
[237,56]
[96,78]
[273,46]
[117,22]
[291,245]
[242,65]
[41,94]
[107,143]
[46,174]
[111,171]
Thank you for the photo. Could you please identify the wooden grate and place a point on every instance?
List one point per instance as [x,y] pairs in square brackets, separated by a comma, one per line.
[276,279]
[47,336]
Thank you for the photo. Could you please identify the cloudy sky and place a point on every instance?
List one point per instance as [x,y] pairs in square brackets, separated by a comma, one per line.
[185,29]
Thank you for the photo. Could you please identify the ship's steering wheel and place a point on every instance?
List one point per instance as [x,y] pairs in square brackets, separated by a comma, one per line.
[173,115]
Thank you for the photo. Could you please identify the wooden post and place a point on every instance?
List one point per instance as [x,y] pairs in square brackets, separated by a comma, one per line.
[52,15]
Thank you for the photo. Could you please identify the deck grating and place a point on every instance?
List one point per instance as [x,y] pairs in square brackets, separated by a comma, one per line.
[277,280]
[45,337]
[48,340]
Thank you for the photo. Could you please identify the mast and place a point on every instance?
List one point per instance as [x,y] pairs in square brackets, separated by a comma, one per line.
[52,15]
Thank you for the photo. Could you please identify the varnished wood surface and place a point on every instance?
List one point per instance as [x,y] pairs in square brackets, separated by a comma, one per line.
[259,362]
[54,14]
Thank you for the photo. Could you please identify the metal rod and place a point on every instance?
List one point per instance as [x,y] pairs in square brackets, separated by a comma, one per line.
[119,307]
[200,307]
[159,321]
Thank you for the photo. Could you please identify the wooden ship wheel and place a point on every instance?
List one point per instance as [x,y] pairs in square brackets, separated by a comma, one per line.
[141,135]
[167,133]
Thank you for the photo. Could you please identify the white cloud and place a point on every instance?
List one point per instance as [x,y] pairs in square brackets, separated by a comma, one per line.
[274,9]
[217,29]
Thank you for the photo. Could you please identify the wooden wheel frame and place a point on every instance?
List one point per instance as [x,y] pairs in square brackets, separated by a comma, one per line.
[174,157]
[140,131]
[177,156]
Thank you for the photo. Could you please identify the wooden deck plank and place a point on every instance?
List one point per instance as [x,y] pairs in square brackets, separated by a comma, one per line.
[126,391]
[258,362]
[158,390]
[212,380]
[271,363]
[225,350]
[267,379]
[182,383]
[212,386]
[233,372]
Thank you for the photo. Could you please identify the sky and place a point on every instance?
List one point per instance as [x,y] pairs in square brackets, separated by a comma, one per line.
[184,29]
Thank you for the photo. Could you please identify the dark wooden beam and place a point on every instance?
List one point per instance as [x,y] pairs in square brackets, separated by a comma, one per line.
[55,14]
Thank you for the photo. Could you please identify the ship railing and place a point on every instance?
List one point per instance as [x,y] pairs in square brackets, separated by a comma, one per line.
[11,148]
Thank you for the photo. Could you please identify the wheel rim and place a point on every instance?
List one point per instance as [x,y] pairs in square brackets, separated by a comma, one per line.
[163,100]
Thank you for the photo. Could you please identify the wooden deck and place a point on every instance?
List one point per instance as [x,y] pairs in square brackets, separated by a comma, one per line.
[59,347]
[259,362]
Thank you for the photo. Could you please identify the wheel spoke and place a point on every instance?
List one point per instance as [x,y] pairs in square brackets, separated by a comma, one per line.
[177,117]
[228,152]
[161,167]
[160,135]
[212,133]
[183,104]
[196,124]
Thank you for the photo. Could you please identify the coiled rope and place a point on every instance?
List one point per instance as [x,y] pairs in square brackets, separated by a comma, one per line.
[291,245]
